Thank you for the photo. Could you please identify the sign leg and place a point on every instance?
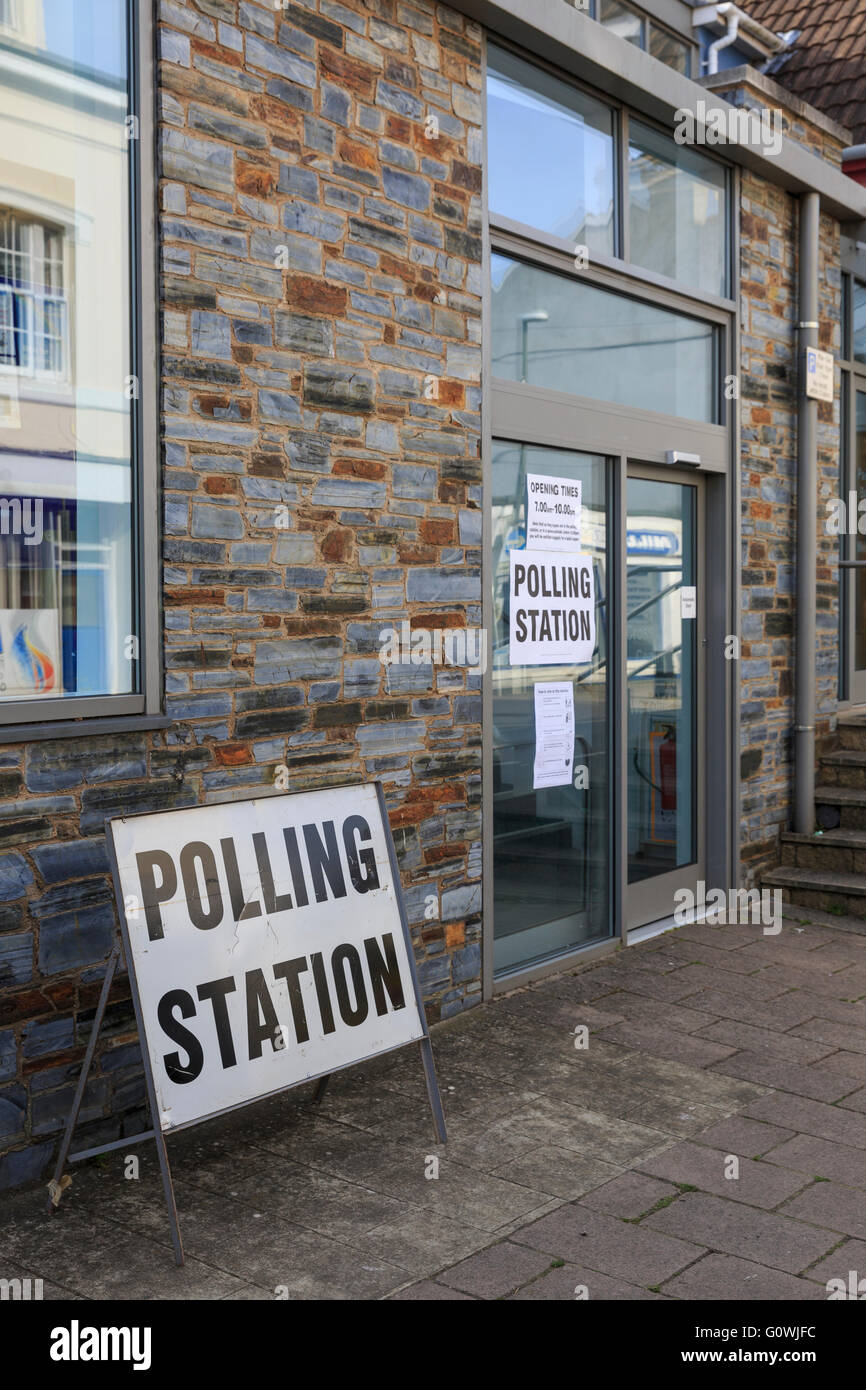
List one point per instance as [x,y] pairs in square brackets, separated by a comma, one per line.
[82,1079]
[168,1187]
[321,1088]
[433,1089]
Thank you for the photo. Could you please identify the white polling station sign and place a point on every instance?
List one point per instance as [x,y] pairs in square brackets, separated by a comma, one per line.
[265,942]
[551,608]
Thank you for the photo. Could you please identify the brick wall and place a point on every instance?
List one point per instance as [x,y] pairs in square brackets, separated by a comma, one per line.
[769,316]
[320,324]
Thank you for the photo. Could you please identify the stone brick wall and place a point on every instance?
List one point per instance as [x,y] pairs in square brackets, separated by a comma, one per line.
[769,316]
[320,323]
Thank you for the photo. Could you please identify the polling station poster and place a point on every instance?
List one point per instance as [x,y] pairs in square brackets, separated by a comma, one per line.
[266,944]
[551,608]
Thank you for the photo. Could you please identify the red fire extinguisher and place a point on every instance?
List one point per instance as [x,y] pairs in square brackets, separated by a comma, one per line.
[668,769]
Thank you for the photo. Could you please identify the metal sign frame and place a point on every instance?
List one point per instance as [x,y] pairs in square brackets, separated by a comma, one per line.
[156,1132]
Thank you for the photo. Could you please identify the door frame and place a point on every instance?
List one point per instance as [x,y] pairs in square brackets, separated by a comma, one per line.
[658,892]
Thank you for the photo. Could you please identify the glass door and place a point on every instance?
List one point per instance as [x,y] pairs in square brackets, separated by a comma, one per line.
[663,682]
[550,725]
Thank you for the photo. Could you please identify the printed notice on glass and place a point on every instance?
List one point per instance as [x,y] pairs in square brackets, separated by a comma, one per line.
[554,734]
[552,513]
[551,609]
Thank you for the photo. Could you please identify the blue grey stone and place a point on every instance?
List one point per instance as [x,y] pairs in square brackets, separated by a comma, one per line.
[24,1165]
[41,1039]
[210,335]
[420,482]
[402,102]
[408,189]
[470,528]
[434,585]
[279,406]
[335,104]
[213,522]
[73,939]
[349,492]
[15,877]
[464,901]
[299,658]
[261,54]
[8,1064]
[13,1110]
[200,162]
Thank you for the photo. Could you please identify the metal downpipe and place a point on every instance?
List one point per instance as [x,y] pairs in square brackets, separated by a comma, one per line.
[807,525]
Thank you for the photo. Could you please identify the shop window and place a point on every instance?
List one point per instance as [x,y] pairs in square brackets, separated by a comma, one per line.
[678,215]
[567,335]
[550,150]
[70,392]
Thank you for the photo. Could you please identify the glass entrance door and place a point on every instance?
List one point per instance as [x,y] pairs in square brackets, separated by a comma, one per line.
[663,681]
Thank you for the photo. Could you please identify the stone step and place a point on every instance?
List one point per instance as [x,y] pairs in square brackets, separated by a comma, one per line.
[839,851]
[840,807]
[852,732]
[846,767]
[840,893]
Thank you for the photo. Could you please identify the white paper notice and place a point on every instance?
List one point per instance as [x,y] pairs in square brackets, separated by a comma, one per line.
[554,734]
[551,609]
[552,513]
[688,601]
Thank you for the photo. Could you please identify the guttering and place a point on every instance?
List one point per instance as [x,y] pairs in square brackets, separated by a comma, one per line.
[732,14]
[807,525]
[755,37]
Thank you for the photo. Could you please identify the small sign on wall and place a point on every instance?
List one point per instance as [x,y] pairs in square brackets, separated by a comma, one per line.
[819,374]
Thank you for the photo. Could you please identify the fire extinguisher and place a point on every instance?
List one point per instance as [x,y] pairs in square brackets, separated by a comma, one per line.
[668,769]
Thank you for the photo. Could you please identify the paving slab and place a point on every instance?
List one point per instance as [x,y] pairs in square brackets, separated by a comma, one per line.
[629,1196]
[575,1282]
[580,1235]
[735,1229]
[821,1158]
[728,1278]
[831,1205]
[496,1271]
[757,1184]
[741,1136]
[810,1117]
[813,1082]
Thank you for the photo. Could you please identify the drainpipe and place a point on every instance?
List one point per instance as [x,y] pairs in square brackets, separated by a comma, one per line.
[728,38]
[807,525]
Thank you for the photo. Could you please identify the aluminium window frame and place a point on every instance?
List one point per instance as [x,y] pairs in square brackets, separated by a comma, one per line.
[21,720]
[521,413]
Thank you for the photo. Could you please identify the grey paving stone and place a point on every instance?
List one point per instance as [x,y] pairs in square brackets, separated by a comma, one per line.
[728,1278]
[428,1291]
[663,1042]
[809,1081]
[821,1158]
[844,1064]
[577,1234]
[855,1101]
[849,1258]
[422,1242]
[765,1042]
[735,1229]
[557,1172]
[836,1035]
[496,1271]
[575,1283]
[811,1117]
[700,977]
[758,1184]
[831,1205]
[629,1196]
[781,1013]
[741,1136]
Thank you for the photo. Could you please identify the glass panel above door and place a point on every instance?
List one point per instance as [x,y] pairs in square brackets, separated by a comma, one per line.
[549,153]
[567,335]
[551,843]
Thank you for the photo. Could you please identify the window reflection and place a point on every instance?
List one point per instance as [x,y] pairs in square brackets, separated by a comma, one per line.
[66,384]
[677,211]
[566,335]
[549,152]
[859,321]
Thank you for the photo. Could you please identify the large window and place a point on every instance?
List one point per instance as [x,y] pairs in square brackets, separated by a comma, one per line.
[550,153]
[567,335]
[637,28]
[70,389]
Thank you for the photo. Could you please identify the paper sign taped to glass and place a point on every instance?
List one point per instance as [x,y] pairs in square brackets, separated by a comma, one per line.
[551,608]
[553,513]
[29,652]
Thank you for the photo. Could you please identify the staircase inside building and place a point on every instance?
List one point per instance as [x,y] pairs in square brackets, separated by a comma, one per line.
[827,870]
